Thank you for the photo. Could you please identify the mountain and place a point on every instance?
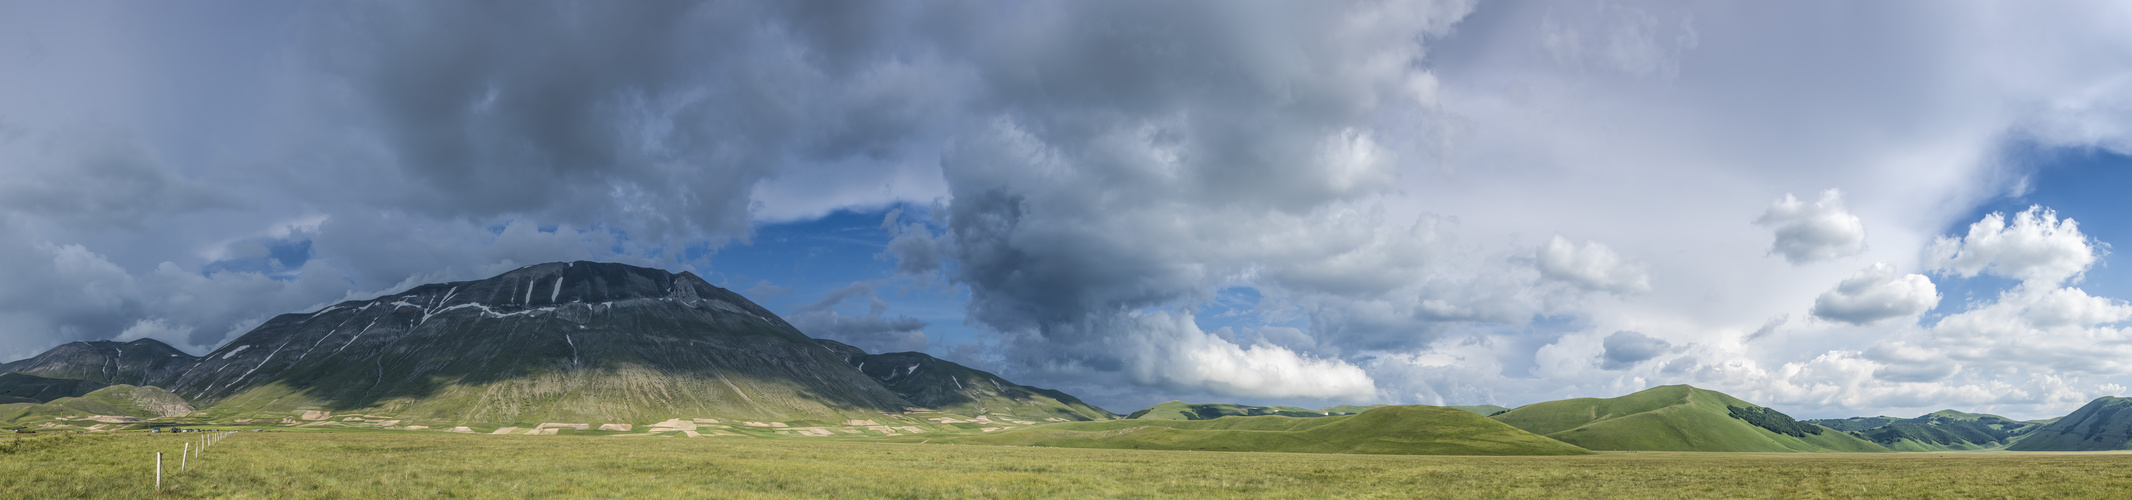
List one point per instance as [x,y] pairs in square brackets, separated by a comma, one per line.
[2103,424]
[1179,410]
[939,384]
[130,403]
[1853,424]
[1401,430]
[140,362]
[1937,431]
[557,342]
[26,388]
[1677,418]
[128,400]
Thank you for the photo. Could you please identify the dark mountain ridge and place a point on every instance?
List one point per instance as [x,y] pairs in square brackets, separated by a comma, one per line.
[144,362]
[934,383]
[582,340]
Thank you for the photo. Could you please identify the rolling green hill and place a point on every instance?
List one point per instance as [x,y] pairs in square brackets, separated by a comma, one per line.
[1353,409]
[1944,430]
[1398,430]
[1677,418]
[131,401]
[1179,410]
[117,401]
[1853,424]
[2103,424]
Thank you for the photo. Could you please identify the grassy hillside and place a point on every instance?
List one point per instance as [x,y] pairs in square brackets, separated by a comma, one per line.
[1483,410]
[117,400]
[1399,430]
[1853,424]
[1947,430]
[1677,418]
[1179,410]
[2103,424]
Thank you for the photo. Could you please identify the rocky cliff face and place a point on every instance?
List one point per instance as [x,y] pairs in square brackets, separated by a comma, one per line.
[141,362]
[559,341]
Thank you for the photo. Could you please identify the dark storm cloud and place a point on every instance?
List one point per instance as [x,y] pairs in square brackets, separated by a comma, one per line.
[100,179]
[658,116]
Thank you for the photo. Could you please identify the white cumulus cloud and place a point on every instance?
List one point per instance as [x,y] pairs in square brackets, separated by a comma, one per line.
[1176,354]
[2035,246]
[1814,232]
[1591,266]
[1877,293]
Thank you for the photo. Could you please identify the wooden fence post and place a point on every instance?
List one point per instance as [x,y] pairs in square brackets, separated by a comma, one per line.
[183,456]
[158,472]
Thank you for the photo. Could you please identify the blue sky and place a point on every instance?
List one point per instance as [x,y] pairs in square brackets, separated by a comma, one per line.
[1820,206]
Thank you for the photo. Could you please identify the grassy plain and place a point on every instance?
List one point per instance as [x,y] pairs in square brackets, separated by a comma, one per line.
[439,465]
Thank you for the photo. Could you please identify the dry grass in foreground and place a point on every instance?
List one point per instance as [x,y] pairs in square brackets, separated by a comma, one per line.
[436,465]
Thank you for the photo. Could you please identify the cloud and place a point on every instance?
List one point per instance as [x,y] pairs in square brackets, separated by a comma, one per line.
[1590,266]
[1625,349]
[871,330]
[1821,231]
[100,178]
[1170,351]
[175,335]
[2036,246]
[1100,173]
[1768,327]
[1876,293]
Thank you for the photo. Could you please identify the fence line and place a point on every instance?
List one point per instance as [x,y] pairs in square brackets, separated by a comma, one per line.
[187,453]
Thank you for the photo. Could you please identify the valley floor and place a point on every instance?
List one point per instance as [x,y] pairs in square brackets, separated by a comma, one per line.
[433,465]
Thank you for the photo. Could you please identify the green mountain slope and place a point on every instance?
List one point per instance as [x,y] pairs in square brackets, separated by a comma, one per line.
[1400,430]
[1179,410]
[1353,409]
[129,401]
[1853,424]
[1947,430]
[1677,418]
[114,401]
[1484,410]
[26,388]
[943,385]
[2103,424]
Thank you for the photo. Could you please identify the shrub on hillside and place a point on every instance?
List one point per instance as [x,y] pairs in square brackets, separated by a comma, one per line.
[1774,421]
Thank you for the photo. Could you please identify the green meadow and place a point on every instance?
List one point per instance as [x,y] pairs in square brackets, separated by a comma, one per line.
[441,465]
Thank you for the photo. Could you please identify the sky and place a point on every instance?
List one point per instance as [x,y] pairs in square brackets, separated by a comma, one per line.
[1831,208]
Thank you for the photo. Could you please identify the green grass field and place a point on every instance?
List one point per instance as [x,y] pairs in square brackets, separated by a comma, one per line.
[438,465]
[1397,430]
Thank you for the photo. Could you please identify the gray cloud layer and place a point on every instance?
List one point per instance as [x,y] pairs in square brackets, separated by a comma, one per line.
[1386,178]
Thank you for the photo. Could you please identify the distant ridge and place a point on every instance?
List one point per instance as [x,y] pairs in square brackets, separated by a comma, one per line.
[2102,424]
[140,362]
[1944,430]
[1396,430]
[1677,418]
[938,384]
